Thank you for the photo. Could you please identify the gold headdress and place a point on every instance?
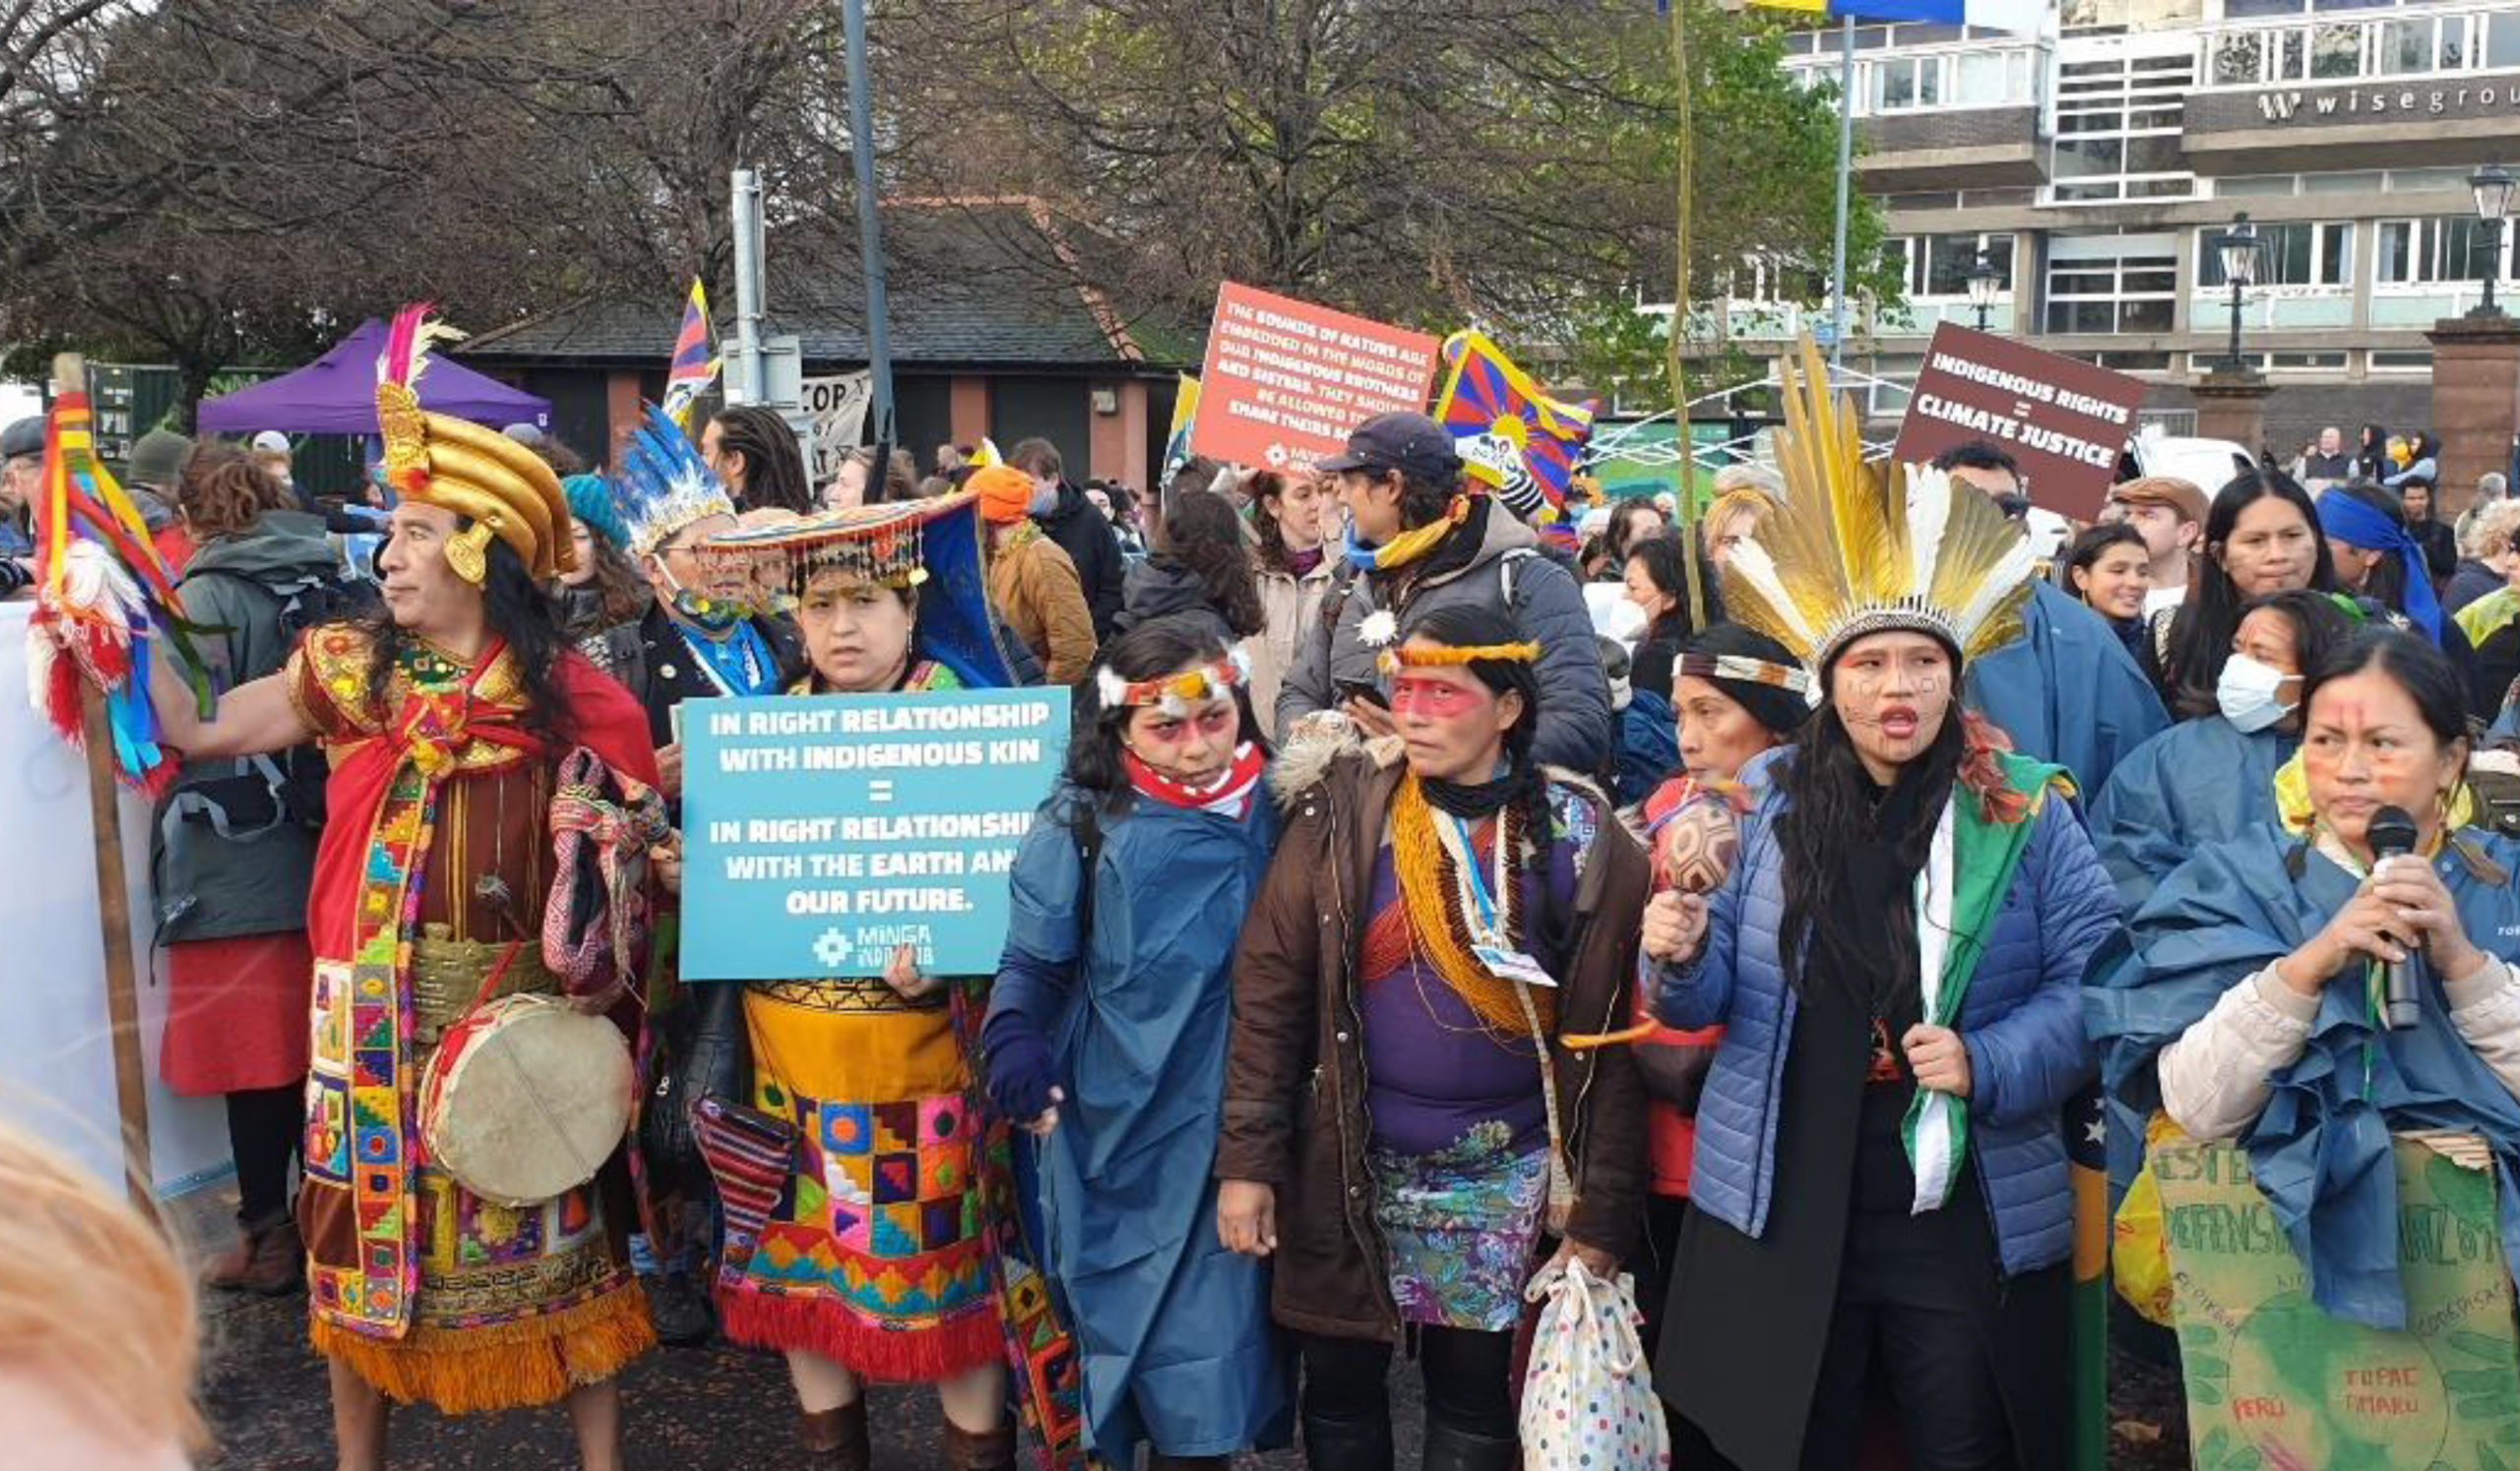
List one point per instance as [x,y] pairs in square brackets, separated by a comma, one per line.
[1841,559]
[1393,661]
[437,460]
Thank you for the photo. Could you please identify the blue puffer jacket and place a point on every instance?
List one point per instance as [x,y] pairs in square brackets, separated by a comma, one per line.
[2021,1021]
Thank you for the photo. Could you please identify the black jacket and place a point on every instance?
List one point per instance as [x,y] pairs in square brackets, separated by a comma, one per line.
[1085,536]
[660,672]
[1161,588]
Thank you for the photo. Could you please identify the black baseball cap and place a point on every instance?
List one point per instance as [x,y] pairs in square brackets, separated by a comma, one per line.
[23,436]
[1411,443]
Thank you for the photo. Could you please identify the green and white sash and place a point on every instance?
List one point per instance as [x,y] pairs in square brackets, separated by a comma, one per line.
[1968,869]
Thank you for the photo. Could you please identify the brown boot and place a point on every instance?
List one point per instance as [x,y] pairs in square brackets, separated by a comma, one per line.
[232,1270]
[978,1450]
[278,1265]
[836,1440]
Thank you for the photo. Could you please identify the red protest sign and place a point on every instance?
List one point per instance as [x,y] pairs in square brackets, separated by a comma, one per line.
[1286,380]
[2064,419]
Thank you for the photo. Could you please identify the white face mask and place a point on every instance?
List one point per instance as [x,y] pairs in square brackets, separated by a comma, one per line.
[2250,693]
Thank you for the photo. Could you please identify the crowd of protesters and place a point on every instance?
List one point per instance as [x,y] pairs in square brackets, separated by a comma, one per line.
[1430,895]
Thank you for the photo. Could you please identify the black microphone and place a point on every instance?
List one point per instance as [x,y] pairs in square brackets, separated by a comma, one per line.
[2391,833]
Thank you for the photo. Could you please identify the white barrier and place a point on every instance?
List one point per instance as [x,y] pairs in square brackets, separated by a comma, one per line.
[56,1052]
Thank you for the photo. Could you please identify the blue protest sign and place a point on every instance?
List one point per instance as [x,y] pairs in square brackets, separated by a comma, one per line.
[821,831]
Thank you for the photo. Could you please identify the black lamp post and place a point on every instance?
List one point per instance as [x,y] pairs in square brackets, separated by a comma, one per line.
[1983,284]
[2238,248]
[2493,184]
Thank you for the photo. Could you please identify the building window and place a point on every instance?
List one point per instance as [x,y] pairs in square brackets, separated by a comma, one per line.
[1939,265]
[2299,254]
[1902,83]
[2424,251]
[2501,41]
[2117,125]
[2397,361]
[2112,283]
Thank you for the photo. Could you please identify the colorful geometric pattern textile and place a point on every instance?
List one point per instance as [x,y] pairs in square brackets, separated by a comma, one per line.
[874,1254]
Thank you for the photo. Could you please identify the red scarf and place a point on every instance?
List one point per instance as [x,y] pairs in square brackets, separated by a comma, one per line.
[1230,795]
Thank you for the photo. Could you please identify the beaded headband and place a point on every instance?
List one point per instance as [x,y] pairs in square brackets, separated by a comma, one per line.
[1393,661]
[1785,677]
[1175,694]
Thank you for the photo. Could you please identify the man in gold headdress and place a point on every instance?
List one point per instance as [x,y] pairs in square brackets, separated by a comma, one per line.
[446,721]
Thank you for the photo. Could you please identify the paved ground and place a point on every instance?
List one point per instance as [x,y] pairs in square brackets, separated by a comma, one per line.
[721,1408]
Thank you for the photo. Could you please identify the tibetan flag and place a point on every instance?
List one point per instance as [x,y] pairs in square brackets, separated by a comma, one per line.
[1177,440]
[2026,17]
[1509,430]
[695,359]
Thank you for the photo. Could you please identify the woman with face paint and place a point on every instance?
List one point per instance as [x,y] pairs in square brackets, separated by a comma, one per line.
[2262,978]
[1408,1124]
[1106,1036]
[1882,1188]
[870,1077]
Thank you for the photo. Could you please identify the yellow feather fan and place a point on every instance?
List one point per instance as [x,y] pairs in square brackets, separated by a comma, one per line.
[1841,559]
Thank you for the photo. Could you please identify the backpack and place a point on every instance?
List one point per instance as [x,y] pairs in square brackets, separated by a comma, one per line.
[287,786]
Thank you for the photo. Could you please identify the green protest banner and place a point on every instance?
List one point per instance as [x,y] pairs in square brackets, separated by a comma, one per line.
[2275,1384]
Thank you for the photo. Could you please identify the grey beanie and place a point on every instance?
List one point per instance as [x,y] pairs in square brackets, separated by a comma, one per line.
[157,459]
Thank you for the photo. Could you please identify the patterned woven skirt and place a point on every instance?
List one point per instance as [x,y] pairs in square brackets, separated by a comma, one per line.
[874,1253]
[1460,1224]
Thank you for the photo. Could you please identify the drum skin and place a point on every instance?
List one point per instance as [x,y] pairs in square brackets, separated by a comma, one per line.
[526,1098]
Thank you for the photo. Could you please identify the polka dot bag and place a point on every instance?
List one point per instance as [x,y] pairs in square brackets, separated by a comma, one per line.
[1588,1399]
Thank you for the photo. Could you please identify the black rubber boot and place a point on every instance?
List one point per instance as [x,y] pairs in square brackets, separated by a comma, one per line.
[1347,1444]
[1449,1449]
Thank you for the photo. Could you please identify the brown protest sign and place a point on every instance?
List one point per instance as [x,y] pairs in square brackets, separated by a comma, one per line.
[2064,419]
[2275,1384]
[1286,380]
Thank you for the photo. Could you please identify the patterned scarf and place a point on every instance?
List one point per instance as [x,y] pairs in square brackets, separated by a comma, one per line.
[1228,794]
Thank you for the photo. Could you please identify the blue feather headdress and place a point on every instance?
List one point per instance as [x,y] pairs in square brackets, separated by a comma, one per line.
[663,485]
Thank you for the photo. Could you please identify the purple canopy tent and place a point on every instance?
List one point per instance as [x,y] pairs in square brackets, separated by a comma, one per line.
[336,394]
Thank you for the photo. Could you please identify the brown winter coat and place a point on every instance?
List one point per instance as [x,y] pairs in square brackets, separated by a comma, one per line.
[1034,584]
[1294,1090]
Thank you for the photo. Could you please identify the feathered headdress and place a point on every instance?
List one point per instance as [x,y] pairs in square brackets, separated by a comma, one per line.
[1841,559]
[665,486]
[507,491]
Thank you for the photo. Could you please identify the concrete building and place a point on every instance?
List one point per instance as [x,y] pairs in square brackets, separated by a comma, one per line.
[2090,167]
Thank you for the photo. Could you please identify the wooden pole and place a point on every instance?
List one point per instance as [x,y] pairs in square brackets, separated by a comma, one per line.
[113,901]
[1683,439]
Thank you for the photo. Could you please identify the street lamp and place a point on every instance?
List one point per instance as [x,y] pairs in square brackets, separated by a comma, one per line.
[2238,249]
[2492,185]
[1983,284]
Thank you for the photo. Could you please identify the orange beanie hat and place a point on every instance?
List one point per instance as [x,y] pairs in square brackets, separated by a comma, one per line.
[1005,494]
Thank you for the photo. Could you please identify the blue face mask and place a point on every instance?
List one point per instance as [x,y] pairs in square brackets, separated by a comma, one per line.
[2250,693]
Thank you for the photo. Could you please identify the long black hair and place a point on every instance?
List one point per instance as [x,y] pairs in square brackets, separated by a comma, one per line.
[1203,535]
[1149,650]
[520,614]
[2200,632]
[774,467]
[1832,805]
[1473,625]
[1663,568]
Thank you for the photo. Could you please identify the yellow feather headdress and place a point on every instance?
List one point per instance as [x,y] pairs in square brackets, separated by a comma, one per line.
[1840,559]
